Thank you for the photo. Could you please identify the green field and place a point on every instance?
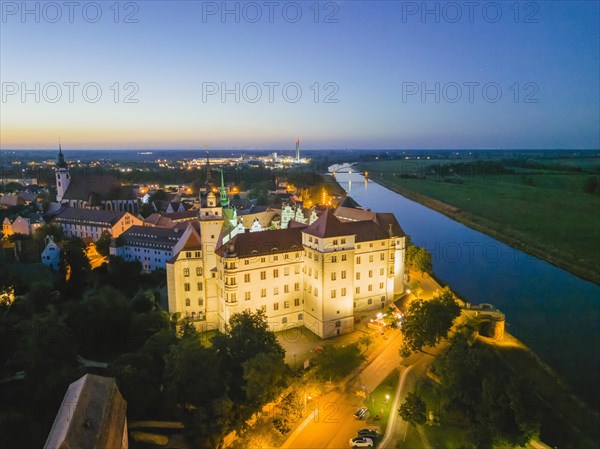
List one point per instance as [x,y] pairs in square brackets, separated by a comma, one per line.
[543,211]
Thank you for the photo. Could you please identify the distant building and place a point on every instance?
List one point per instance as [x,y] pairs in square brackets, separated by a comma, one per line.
[11,200]
[51,253]
[91,222]
[93,415]
[94,189]
[151,246]
[7,228]
[21,225]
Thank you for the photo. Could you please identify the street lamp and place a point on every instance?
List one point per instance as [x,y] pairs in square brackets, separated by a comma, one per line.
[387,401]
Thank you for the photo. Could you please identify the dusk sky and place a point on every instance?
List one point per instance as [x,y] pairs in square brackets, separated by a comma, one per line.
[543,56]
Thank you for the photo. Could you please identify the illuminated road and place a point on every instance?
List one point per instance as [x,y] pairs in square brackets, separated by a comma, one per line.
[332,424]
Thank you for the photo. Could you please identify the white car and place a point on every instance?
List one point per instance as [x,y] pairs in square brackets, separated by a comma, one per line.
[361,442]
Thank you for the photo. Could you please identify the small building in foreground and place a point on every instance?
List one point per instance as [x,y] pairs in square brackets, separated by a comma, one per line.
[92,416]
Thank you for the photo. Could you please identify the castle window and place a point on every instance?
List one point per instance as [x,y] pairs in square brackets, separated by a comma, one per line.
[343,257]
[276,290]
[381,271]
[186,272]
[300,316]
[381,285]
[370,287]
[188,254]
[335,242]
[343,292]
[358,260]
[186,287]
[297,302]
[297,286]
[199,286]
[358,276]
[286,288]
[286,271]
[370,301]
[247,277]
[343,274]
[198,271]
[284,320]
[333,294]
[333,259]
[371,258]
[333,276]
[275,273]
[370,273]
[263,292]
[187,302]
[263,275]
[200,302]
[357,290]
[276,306]
[343,241]
[247,296]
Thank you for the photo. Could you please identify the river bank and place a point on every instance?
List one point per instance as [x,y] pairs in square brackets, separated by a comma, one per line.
[552,311]
[496,230]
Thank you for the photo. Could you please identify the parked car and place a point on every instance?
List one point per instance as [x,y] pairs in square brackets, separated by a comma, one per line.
[368,433]
[361,413]
[361,442]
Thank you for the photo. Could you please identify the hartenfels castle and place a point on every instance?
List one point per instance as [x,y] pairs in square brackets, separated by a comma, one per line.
[316,275]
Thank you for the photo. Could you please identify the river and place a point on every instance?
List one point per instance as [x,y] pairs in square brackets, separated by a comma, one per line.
[554,312]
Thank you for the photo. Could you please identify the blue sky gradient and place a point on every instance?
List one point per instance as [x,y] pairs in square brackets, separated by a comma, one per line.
[368,54]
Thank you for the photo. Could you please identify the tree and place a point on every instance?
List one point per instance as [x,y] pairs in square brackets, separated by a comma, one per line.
[246,336]
[51,229]
[264,376]
[426,323]
[414,409]
[415,288]
[336,362]
[192,373]
[146,210]
[103,244]
[76,266]
[365,340]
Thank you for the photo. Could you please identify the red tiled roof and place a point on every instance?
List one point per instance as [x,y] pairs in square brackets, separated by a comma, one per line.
[251,244]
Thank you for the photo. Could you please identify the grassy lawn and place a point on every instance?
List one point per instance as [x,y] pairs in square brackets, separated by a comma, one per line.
[380,402]
[565,420]
[541,211]
[447,435]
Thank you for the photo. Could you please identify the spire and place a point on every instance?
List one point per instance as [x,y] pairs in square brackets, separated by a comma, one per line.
[223,193]
[61,158]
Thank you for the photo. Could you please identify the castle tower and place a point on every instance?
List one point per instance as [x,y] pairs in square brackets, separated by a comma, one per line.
[223,193]
[63,179]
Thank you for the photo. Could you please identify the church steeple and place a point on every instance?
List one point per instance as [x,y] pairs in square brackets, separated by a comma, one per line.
[63,178]
[223,193]
[61,158]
